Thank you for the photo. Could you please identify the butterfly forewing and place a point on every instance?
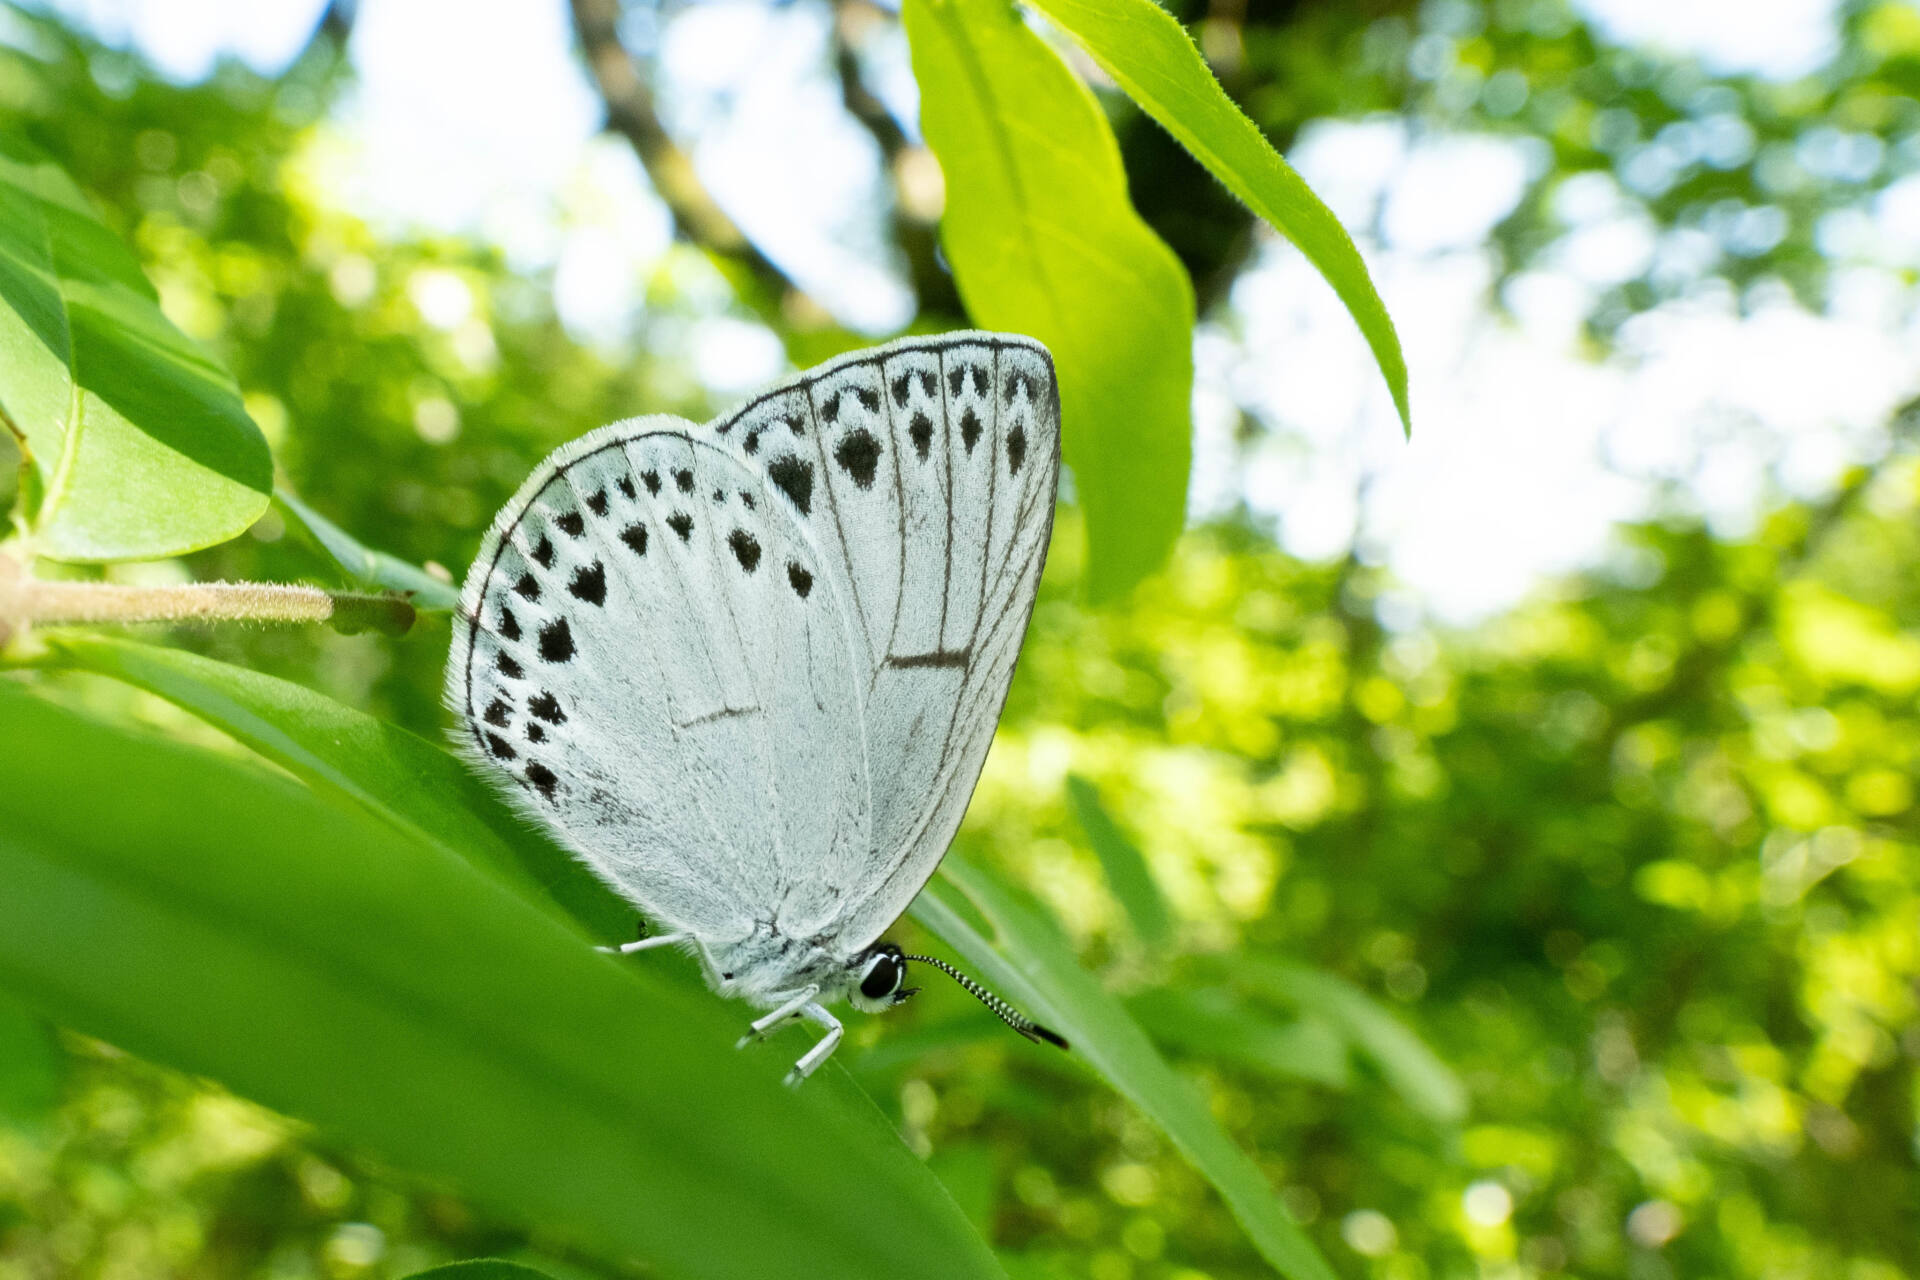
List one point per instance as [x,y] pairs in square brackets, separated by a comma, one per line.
[658,661]
[930,468]
[947,703]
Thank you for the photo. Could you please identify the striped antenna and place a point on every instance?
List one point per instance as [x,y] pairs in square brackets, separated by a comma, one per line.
[1007,1013]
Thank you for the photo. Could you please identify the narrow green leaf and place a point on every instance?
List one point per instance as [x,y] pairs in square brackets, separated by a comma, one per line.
[139,444]
[30,1063]
[1044,241]
[1127,872]
[480,1269]
[236,925]
[365,565]
[1412,1069]
[1028,962]
[1151,57]
[379,766]
[1215,1024]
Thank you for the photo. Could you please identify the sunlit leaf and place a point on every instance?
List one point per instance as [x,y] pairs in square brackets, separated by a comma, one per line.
[367,566]
[1151,57]
[1044,241]
[329,965]
[1127,872]
[389,772]
[138,444]
[1028,962]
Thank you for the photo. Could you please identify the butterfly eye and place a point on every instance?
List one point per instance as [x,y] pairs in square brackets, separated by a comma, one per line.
[882,977]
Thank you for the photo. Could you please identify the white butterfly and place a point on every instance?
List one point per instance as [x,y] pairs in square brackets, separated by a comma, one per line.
[749,671]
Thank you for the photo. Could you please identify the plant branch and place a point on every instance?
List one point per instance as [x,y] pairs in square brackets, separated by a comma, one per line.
[932,283]
[631,114]
[28,601]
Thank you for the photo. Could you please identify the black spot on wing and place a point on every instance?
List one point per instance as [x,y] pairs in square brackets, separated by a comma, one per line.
[498,746]
[1016,448]
[684,479]
[527,587]
[979,375]
[556,641]
[507,667]
[652,480]
[1016,384]
[858,454]
[590,584]
[921,432]
[542,779]
[598,502]
[752,444]
[830,411]
[746,498]
[547,707]
[869,398]
[635,536]
[795,479]
[625,485]
[535,733]
[681,523]
[799,579]
[969,429]
[927,382]
[499,714]
[509,625]
[902,388]
[543,552]
[573,524]
[746,549]
[953,381]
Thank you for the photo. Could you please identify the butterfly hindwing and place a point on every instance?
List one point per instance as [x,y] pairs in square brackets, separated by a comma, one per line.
[654,656]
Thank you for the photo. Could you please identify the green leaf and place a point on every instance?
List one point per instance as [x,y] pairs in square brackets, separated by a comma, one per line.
[1214,1024]
[480,1269]
[1409,1066]
[369,567]
[1127,872]
[138,442]
[381,767]
[1151,57]
[31,1064]
[236,925]
[1028,962]
[1044,241]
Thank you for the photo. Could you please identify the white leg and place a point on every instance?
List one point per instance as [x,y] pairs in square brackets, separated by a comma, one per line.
[761,1025]
[645,944]
[820,1052]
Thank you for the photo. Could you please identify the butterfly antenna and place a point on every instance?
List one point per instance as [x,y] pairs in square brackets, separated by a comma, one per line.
[1005,1012]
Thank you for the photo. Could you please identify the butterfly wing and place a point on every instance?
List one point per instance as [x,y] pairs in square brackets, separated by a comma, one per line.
[650,652]
[925,471]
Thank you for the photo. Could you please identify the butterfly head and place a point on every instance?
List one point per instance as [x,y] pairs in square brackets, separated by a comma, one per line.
[882,969]
[882,973]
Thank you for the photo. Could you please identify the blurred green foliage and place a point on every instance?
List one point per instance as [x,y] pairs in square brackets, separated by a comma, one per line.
[1638,861]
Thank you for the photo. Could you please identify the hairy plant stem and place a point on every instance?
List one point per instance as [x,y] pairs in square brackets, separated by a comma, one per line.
[29,601]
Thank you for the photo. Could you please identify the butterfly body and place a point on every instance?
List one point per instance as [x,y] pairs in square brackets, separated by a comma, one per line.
[748,671]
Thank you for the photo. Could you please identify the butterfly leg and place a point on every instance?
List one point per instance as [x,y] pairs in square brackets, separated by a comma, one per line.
[760,1026]
[645,944]
[820,1052]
